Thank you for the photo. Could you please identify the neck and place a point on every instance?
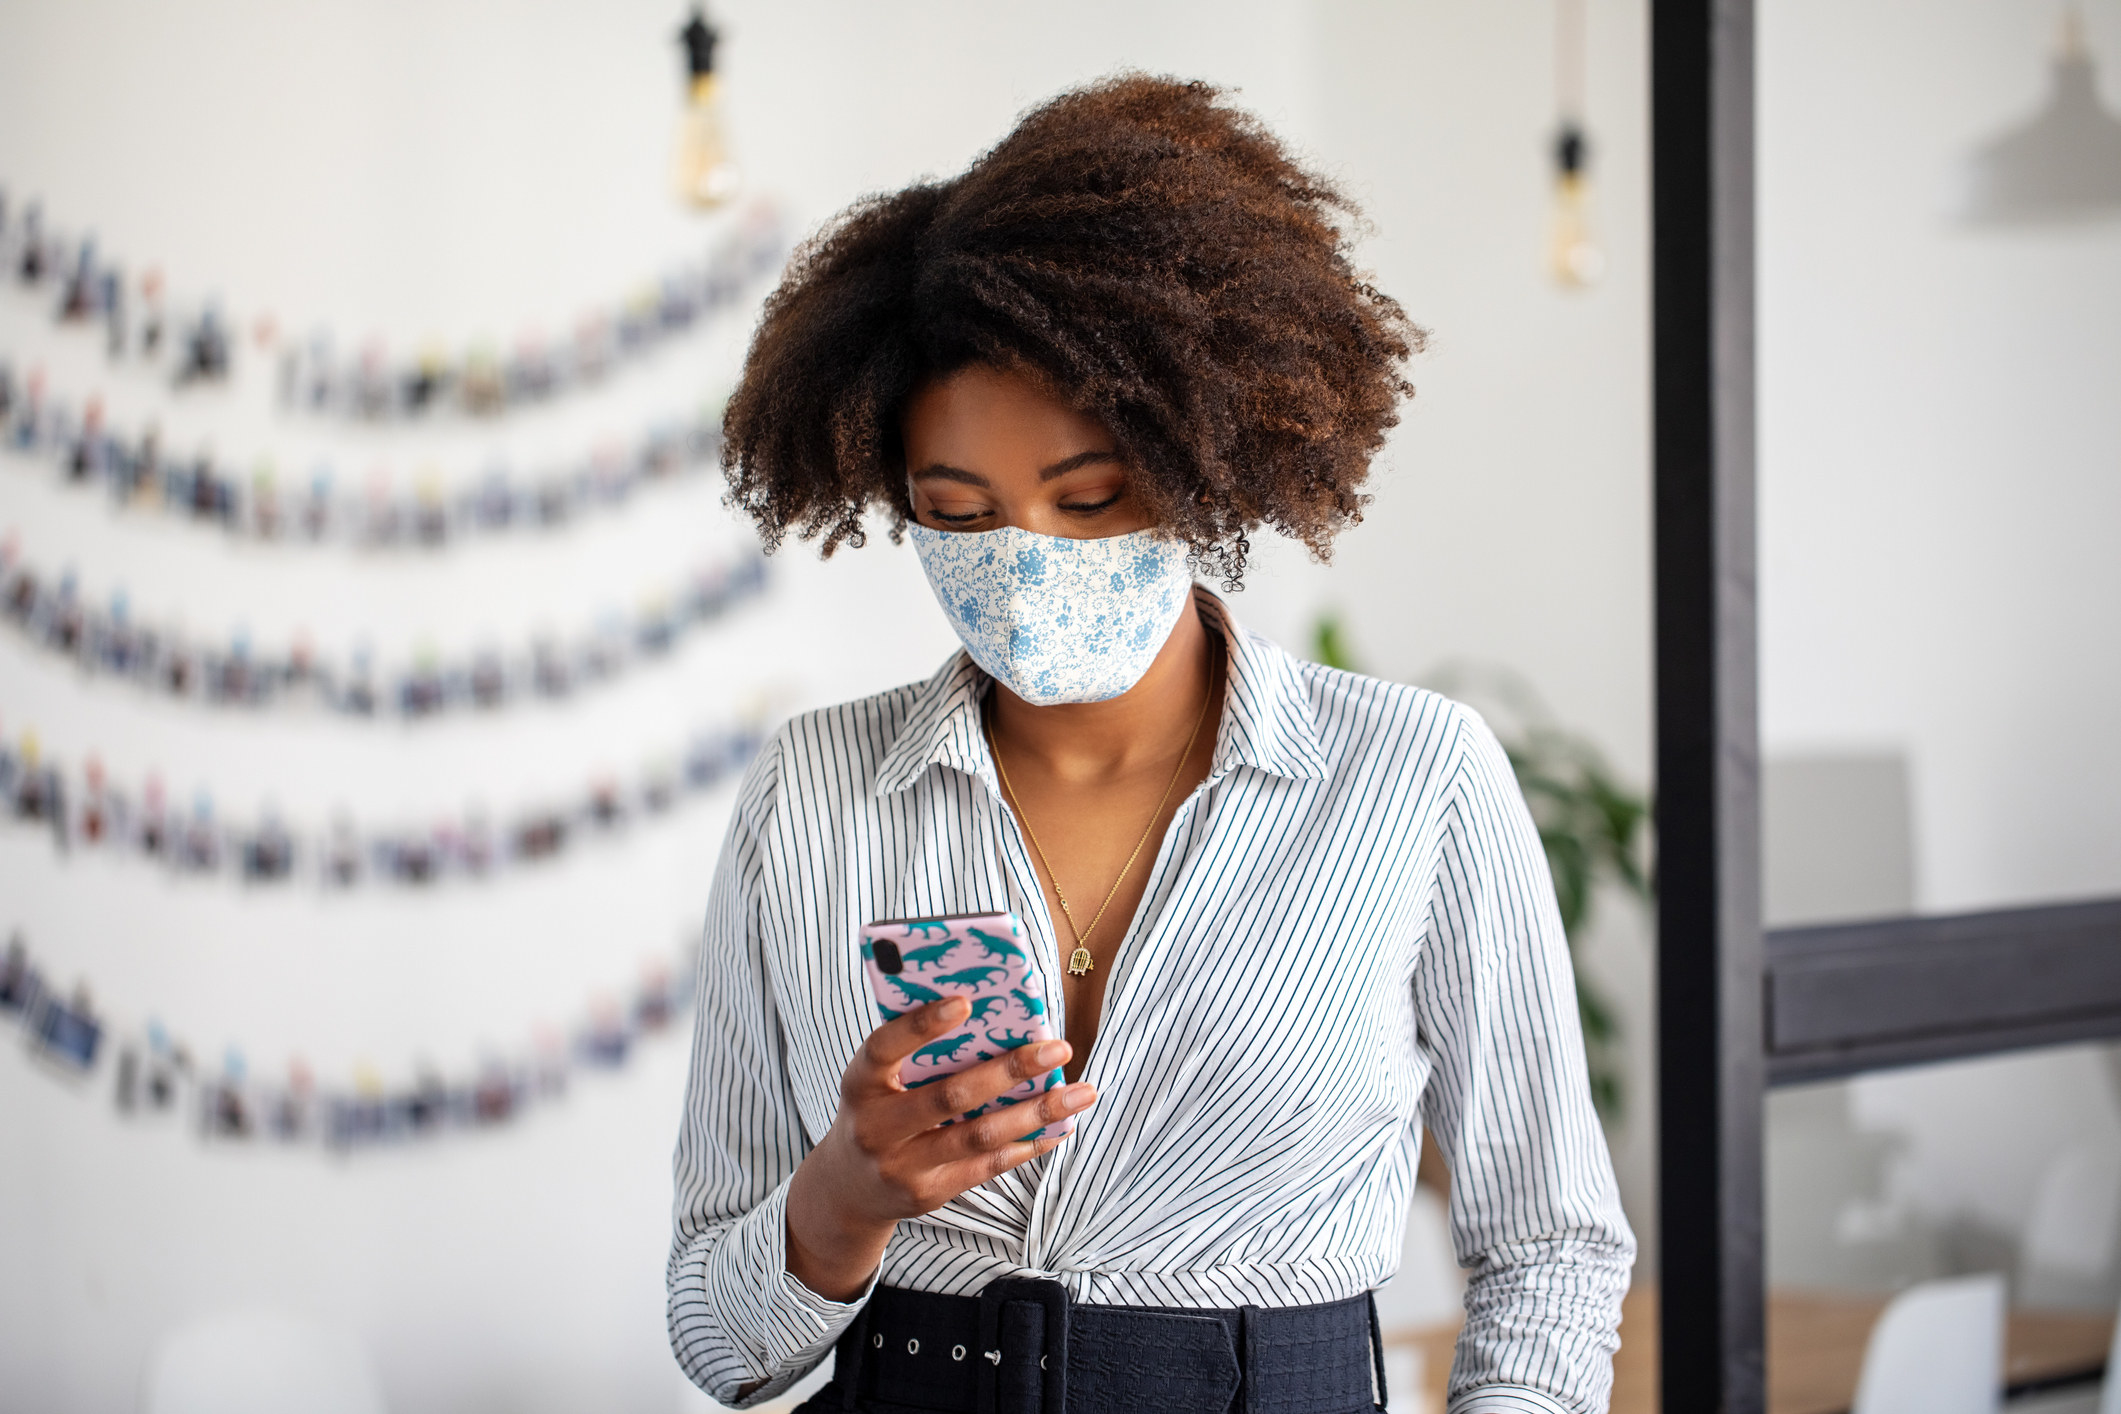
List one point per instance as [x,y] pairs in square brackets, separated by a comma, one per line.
[1084,743]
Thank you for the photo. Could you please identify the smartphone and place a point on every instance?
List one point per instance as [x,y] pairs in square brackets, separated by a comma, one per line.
[980,956]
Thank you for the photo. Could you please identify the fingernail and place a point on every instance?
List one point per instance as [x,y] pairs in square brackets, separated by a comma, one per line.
[1076,1097]
[1052,1053]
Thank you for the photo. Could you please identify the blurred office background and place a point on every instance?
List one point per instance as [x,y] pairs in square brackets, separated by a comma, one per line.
[1938,498]
[1940,609]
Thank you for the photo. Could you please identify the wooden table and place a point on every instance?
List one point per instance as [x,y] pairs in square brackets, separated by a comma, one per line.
[1815,1350]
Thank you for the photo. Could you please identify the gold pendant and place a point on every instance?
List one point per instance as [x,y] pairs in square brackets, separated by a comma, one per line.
[1080,962]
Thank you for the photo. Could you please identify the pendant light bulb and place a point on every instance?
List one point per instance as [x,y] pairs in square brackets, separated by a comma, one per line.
[703,172]
[1572,254]
[1573,257]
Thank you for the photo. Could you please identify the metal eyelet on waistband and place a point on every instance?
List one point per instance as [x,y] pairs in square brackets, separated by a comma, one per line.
[877,1341]
[957,1352]
[913,1347]
[1042,1362]
[994,1357]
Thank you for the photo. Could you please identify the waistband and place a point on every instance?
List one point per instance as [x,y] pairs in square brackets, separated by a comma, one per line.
[1023,1347]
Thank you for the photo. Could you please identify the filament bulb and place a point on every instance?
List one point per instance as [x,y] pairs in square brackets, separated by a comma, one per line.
[704,174]
[1573,255]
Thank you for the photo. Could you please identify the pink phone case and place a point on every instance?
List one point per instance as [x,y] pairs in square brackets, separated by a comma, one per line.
[983,956]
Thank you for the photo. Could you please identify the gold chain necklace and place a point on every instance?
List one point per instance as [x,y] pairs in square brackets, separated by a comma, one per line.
[1080,961]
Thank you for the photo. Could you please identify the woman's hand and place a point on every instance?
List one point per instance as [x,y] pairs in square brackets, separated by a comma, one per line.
[888,1155]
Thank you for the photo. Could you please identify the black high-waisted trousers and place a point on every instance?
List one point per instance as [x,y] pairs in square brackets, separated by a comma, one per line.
[1022,1347]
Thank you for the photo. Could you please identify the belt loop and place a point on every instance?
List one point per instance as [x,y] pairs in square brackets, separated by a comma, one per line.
[1248,1385]
[1377,1353]
[1053,1359]
[1248,1336]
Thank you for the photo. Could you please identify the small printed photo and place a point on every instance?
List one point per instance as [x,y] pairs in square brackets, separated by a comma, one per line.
[66,1033]
[421,1110]
[227,1109]
[355,1119]
[496,1094]
[20,982]
[606,1039]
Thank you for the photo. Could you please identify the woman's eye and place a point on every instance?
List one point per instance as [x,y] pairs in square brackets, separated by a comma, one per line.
[1081,508]
[948,518]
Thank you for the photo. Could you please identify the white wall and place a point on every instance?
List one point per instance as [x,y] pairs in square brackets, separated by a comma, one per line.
[473,167]
[1939,442]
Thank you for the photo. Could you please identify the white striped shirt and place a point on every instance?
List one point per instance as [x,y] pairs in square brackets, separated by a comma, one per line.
[1348,932]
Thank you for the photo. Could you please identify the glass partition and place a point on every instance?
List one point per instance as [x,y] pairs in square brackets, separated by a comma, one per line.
[1891,1182]
[1888,337]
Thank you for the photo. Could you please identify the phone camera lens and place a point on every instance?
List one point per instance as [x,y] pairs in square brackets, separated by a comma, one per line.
[887,957]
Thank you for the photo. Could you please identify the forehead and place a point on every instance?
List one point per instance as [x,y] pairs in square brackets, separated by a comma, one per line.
[994,420]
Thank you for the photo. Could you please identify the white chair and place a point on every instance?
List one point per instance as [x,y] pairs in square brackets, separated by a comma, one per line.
[260,1362]
[2066,1255]
[2110,1397]
[1938,1349]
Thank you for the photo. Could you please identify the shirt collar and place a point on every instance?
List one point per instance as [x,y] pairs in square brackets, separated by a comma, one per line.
[1267,722]
[942,729]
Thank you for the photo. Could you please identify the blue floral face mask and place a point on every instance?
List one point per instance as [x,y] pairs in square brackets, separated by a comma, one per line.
[1057,620]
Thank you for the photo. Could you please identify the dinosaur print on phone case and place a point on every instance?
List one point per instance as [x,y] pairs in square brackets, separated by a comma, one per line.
[915,993]
[999,948]
[930,956]
[947,1049]
[971,977]
[983,958]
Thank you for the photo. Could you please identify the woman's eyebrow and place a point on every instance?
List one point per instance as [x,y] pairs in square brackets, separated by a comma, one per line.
[941,471]
[1068,464]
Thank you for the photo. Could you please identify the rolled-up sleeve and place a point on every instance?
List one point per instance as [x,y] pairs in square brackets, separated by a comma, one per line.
[736,1316]
[1535,1213]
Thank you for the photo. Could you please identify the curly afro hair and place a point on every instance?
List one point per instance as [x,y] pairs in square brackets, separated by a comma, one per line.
[1154,259]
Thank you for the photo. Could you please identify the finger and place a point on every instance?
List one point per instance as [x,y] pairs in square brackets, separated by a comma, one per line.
[972,1172]
[950,1138]
[1006,1124]
[900,1037]
[892,1112]
[975,1085]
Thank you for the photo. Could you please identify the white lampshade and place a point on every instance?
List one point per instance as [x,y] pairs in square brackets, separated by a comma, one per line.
[2062,164]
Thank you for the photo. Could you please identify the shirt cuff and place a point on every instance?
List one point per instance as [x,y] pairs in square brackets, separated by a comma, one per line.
[1505,1399]
[770,1316]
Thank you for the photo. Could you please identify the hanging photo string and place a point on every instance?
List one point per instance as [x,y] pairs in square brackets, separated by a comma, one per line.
[89,812]
[156,1074]
[139,474]
[1572,254]
[52,614]
[193,341]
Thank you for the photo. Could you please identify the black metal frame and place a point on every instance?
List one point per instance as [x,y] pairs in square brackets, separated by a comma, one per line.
[1738,1012]
[1847,998]
[1710,1064]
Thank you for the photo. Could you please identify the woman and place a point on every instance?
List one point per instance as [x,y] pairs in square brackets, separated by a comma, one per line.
[1286,916]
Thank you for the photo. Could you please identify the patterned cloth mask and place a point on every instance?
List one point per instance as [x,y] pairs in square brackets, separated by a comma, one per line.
[1057,620]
